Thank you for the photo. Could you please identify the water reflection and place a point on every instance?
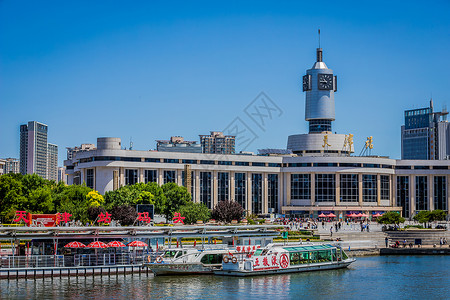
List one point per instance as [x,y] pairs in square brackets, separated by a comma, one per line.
[370,277]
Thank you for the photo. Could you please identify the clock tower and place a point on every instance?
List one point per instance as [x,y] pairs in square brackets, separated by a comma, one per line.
[319,83]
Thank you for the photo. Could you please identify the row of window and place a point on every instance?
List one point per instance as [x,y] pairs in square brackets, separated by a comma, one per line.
[325,187]
[223,186]
[259,164]
[421,193]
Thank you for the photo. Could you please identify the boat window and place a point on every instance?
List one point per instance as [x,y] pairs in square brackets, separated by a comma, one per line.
[179,253]
[211,259]
[344,255]
[264,252]
[170,254]
[258,252]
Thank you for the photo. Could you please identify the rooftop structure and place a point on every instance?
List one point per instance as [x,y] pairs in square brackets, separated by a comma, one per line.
[178,144]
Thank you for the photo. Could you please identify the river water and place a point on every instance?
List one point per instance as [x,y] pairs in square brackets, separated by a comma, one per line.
[385,277]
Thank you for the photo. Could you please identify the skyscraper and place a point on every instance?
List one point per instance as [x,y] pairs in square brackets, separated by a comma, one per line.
[34,150]
[426,134]
[52,162]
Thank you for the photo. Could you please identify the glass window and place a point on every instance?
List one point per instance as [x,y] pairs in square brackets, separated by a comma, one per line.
[258,164]
[325,187]
[223,186]
[385,187]
[150,176]
[301,186]
[257,193]
[207,162]
[225,163]
[440,193]
[272,181]
[90,178]
[169,176]
[206,189]
[369,188]
[421,193]
[171,161]
[349,188]
[403,194]
[131,176]
[240,189]
[241,163]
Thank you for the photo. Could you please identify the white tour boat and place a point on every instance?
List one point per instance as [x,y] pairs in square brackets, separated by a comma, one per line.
[276,259]
[186,261]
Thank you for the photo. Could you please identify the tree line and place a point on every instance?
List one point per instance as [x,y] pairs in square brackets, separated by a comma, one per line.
[36,195]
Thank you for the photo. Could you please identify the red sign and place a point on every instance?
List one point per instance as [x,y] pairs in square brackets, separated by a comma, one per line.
[22,216]
[65,217]
[43,220]
[284,261]
[144,217]
[178,218]
[104,218]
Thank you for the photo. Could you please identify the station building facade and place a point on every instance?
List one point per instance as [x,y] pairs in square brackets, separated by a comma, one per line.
[293,185]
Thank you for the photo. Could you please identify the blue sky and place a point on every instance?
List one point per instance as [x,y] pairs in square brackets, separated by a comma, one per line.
[148,70]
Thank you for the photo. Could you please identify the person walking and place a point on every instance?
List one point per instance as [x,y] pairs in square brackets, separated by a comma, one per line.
[386,241]
[331,230]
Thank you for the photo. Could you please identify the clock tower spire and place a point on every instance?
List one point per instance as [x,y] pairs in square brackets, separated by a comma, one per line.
[319,83]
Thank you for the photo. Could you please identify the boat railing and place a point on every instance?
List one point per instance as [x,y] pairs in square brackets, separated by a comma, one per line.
[77,260]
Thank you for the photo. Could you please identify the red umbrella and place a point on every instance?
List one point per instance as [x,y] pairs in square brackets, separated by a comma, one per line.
[116,244]
[353,215]
[377,215]
[331,215]
[97,244]
[359,215]
[137,244]
[322,215]
[364,215]
[75,245]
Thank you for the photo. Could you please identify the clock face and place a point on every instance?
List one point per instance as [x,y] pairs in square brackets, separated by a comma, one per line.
[306,82]
[325,81]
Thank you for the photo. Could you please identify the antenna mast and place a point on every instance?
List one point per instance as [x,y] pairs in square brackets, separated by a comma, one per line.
[319,37]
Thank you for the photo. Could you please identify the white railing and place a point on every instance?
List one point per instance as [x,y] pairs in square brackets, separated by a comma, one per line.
[77,260]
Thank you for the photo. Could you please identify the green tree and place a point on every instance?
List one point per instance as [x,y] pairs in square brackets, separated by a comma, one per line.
[438,215]
[145,197]
[391,218]
[176,196]
[11,196]
[40,200]
[423,216]
[74,201]
[192,212]
[125,214]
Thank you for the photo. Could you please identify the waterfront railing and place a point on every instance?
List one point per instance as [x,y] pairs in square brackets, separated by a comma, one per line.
[77,260]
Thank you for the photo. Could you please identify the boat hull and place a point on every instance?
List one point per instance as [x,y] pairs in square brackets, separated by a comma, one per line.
[179,269]
[296,269]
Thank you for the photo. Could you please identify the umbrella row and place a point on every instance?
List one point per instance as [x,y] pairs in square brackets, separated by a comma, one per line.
[353,215]
[99,244]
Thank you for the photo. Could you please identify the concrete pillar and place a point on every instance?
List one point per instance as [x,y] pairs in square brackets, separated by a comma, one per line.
[160,177]
[141,175]
[249,192]
[197,186]
[360,189]
[338,189]
[214,187]
[232,187]
[122,177]
[412,194]
[265,196]
[393,190]
[288,188]
[313,189]
[378,189]
[430,180]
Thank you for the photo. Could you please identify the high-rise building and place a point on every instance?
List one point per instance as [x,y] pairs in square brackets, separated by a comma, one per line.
[52,162]
[11,165]
[84,147]
[62,174]
[426,134]
[218,143]
[36,155]
[2,166]
[178,144]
